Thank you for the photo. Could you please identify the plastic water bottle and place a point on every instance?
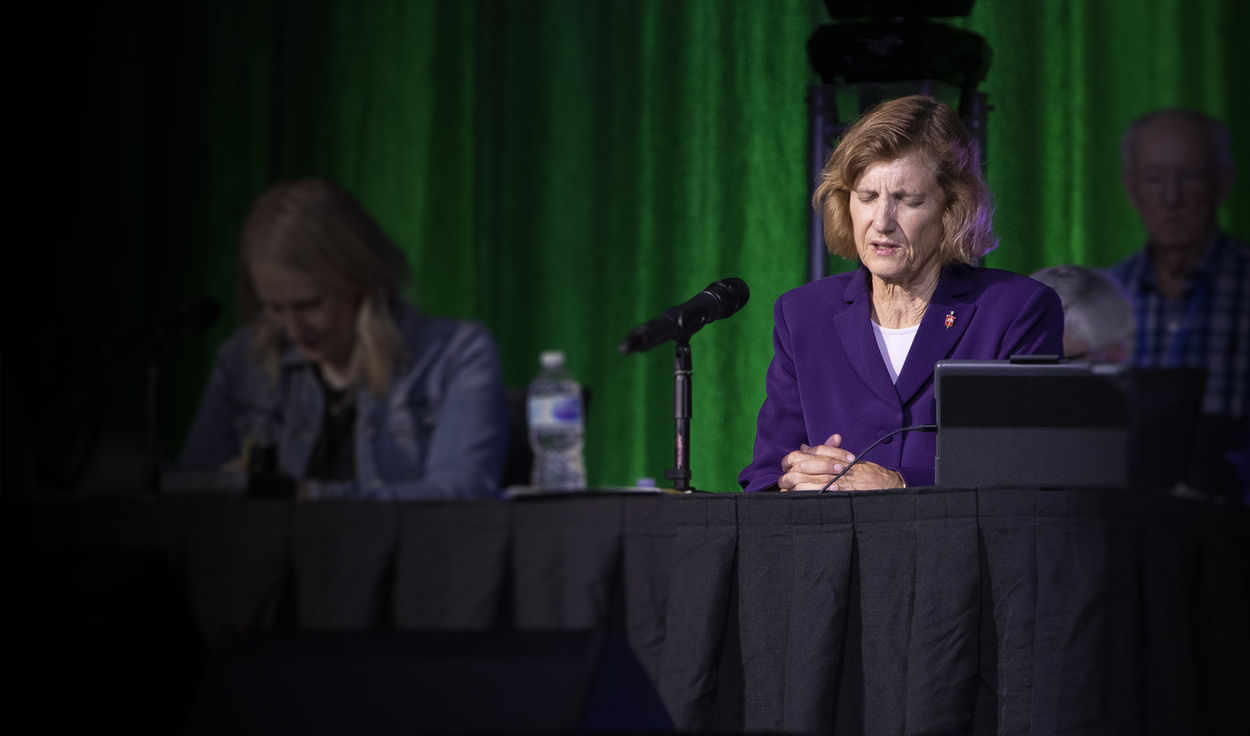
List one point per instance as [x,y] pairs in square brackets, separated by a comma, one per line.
[556,426]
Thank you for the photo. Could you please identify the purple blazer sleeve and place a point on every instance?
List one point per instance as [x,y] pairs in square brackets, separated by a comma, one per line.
[827,374]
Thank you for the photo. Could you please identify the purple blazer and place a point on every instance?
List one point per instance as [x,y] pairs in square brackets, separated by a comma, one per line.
[827,374]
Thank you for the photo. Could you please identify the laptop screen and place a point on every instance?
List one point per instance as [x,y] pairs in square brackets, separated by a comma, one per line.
[1035,424]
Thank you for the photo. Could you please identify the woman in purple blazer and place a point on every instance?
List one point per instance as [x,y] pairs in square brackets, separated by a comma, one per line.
[854,353]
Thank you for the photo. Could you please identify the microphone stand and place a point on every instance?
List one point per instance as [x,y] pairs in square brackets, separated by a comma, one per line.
[681,414]
[152,408]
[188,319]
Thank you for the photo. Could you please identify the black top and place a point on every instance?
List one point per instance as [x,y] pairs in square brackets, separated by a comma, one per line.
[334,453]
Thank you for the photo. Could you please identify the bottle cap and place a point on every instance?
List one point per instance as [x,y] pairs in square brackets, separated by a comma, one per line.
[551,358]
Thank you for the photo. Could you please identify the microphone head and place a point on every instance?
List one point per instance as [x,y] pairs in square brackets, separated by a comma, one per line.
[196,315]
[188,318]
[732,294]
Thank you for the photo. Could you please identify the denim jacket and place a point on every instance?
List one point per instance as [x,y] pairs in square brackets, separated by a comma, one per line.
[441,432]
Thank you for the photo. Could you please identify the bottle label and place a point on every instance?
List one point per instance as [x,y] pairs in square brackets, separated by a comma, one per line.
[550,412]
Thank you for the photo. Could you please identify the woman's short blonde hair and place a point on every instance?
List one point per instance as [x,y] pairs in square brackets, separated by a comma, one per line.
[894,129]
[315,227]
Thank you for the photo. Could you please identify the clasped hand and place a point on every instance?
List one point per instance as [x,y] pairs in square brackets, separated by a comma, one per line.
[810,468]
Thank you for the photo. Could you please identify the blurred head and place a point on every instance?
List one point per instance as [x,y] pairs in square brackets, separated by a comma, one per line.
[317,317]
[904,189]
[1177,170]
[320,275]
[1098,322]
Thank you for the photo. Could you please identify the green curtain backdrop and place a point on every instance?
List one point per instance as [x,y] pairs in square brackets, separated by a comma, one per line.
[632,153]
[563,169]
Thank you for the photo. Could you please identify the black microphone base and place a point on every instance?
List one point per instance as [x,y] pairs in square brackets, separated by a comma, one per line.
[682,478]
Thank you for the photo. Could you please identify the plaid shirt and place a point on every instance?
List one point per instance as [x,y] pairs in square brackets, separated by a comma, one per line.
[1207,326]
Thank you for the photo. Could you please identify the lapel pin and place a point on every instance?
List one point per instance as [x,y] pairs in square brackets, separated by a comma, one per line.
[950,320]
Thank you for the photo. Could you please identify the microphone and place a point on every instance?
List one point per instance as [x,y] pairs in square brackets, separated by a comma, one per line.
[187,318]
[719,300]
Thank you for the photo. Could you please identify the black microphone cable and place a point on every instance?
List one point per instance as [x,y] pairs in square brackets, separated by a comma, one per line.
[882,438]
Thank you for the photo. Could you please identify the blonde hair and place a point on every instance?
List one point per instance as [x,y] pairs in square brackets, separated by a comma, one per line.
[896,128]
[315,227]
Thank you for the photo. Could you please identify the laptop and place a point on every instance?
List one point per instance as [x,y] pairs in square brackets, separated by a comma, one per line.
[1038,422]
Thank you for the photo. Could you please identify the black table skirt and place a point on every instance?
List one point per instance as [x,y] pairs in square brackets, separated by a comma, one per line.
[920,611]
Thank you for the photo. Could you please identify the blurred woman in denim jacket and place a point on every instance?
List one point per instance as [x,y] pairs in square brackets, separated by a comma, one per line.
[361,395]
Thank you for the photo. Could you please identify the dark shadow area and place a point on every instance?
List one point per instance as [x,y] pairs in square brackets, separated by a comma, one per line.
[101,645]
[427,682]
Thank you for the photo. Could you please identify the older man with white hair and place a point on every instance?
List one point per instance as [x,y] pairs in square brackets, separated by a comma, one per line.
[1190,285]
